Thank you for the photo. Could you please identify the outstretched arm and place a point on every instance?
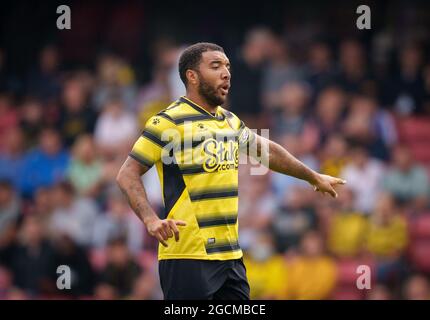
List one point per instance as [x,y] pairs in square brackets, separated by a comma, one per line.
[130,183]
[276,158]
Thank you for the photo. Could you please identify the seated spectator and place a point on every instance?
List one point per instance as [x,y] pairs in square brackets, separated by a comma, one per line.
[386,239]
[279,70]
[70,254]
[116,129]
[370,126]
[416,287]
[10,212]
[245,100]
[85,171]
[387,235]
[330,107]
[363,175]
[8,117]
[11,157]
[118,221]
[312,274]
[73,215]
[76,116]
[294,217]
[44,80]
[33,262]
[406,179]
[291,113]
[334,155]
[265,269]
[347,227]
[45,165]
[256,208]
[404,90]
[122,270]
[42,206]
[114,77]
[354,75]
[319,69]
[32,120]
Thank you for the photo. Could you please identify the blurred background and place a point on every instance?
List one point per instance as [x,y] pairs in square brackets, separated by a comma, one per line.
[349,103]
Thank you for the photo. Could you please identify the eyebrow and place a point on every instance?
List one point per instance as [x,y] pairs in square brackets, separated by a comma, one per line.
[219,61]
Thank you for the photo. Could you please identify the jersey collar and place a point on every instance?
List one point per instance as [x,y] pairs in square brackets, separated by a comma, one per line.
[218,114]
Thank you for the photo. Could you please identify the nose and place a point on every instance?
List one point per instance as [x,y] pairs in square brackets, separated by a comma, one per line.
[225,75]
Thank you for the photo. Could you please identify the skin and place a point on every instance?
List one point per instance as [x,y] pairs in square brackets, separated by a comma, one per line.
[212,78]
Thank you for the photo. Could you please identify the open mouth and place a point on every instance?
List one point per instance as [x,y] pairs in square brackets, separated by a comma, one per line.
[224,89]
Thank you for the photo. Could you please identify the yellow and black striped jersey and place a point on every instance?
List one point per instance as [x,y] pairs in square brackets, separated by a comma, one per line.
[196,154]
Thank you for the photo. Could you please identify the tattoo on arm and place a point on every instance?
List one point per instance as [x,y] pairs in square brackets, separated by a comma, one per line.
[130,183]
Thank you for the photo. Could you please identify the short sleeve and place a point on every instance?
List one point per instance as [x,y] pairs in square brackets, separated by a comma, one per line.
[149,146]
[245,136]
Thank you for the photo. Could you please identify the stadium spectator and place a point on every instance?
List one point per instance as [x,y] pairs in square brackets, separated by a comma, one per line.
[330,107]
[33,262]
[85,171]
[407,180]
[346,227]
[114,78]
[312,274]
[10,213]
[266,270]
[45,165]
[8,117]
[118,221]
[44,80]
[12,157]
[246,99]
[386,239]
[70,254]
[334,156]
[369,126]
[73,215]
[76,117]
[294,217]
[404,90]
[116,129]
[33,119]
[121,270]
[363,175]
[319,67]
[279,71]
[354,75]
[416,288]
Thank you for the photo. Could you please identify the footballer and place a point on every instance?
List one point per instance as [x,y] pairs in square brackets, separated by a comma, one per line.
[195,145]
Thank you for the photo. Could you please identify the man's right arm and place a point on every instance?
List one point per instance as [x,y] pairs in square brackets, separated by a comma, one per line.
[130,183]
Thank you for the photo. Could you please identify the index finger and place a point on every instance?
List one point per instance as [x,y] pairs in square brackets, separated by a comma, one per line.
[179,222]
[340,181]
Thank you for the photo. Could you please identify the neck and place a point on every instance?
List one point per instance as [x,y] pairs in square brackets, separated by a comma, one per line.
[200,101]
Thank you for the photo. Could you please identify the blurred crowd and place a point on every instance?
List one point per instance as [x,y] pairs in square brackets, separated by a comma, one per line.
[342,108]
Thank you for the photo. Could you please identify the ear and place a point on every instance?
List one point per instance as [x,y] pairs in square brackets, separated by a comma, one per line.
[192,77]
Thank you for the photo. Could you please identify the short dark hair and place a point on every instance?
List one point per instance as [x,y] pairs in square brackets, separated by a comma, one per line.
[192,55]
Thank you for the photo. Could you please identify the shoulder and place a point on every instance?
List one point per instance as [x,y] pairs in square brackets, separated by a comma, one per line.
[236,122]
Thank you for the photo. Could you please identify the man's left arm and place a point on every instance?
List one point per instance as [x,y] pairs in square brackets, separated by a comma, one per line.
[278,159]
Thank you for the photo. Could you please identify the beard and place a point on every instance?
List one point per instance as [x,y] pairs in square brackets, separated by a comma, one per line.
[209,93]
